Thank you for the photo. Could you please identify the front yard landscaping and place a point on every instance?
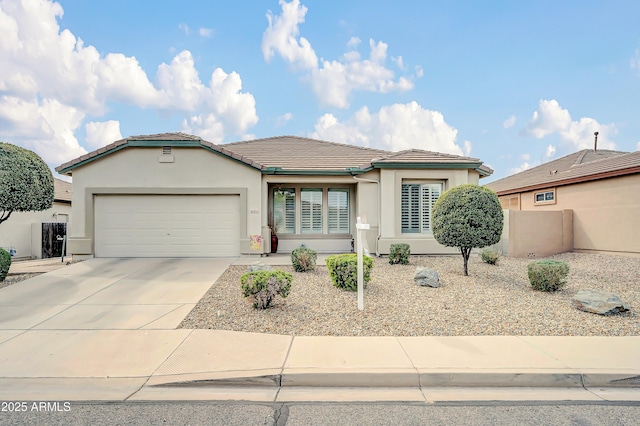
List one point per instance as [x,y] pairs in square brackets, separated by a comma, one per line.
[492,300]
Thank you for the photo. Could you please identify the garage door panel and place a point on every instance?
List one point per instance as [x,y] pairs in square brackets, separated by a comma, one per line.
[166,225]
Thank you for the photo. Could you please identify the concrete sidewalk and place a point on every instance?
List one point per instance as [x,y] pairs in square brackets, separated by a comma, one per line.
[222,365]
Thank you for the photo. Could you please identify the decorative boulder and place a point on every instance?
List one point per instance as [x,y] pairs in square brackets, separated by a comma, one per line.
[426,277]
[260,266]
[599,302]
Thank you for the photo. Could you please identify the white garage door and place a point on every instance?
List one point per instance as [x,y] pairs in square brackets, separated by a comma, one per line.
[167,225]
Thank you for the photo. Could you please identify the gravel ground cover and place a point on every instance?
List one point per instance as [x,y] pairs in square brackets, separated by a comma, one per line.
[493,300]
[12,279]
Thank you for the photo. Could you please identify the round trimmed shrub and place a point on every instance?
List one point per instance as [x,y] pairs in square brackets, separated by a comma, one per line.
[304,259]
[467,216]
[399,254]
[5,263]
[547,275]
[343,270]
[262,287]
[490,256]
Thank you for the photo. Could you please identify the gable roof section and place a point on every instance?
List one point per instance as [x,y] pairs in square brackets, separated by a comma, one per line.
[581,166]
[62,191]
[160,139]
[418,158]
[294,155]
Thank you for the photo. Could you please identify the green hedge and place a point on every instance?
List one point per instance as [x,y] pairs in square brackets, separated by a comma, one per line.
[399,254]
[303,259]
[262,287]
[343,270]
[5,263]
[490,256]
[547,275]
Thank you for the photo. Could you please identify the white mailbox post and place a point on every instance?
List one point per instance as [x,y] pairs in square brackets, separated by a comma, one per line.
[360,228]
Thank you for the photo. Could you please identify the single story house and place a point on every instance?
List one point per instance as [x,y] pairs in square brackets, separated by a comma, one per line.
[600,187]
[176,195]
[22,233]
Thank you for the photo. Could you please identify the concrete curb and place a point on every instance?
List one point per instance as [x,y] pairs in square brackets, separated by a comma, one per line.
[404,379]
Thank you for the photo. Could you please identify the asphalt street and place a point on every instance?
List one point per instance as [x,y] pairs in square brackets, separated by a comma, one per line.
[309,414]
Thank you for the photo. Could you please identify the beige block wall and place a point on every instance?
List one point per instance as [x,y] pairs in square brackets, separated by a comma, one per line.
[536,234]
[16,232]
[606,213]
[139,170]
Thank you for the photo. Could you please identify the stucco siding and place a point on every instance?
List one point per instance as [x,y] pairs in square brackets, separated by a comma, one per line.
[391,194]
[605,212]
[140,171]
[17,231]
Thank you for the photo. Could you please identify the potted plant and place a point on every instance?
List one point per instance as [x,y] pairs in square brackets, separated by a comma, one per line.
[274,240]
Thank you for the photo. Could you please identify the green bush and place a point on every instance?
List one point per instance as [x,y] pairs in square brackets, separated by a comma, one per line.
[547,275]
[304,259]
[261,287]
[343,270]
[490,256]
[399,254]
[5,263]
[467,216]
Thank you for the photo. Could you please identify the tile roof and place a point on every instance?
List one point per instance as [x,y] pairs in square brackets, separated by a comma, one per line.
[577,167]
[298,153]
[62,190]
[290,153]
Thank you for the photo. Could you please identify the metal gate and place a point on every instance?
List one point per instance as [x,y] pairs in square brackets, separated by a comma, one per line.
[52,238]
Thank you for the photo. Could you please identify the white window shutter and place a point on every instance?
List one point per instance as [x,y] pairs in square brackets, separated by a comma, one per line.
[338,200]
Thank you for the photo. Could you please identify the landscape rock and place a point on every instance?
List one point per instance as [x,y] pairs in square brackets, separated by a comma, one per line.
[260,266]
[599,302]
[426,277]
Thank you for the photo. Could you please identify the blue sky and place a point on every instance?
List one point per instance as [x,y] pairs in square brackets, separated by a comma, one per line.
[513,83]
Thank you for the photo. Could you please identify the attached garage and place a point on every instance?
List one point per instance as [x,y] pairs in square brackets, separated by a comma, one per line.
[167,225]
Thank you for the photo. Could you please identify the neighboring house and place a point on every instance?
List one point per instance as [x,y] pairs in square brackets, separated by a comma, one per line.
[176,195]
[22,232]
[601,188]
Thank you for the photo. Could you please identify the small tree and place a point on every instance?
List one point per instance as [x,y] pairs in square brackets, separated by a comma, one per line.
[26,183]
[467,216]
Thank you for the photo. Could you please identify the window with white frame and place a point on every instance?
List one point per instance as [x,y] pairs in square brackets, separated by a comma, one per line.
[338,203]
[284,210]
[417,206]
[311,210]
[545,197]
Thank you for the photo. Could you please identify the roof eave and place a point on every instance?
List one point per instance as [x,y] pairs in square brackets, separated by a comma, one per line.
[419,165]
[349,171]
[570,181]
[66,168]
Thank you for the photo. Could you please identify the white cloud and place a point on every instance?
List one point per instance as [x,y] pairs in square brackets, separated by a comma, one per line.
[331,80]
[419,71]
[551,151]
[467,148]
[521,168]
[102,133]
[353,42]
[205,32]
[638,146]
[551,118]
[509,122]
[525,157]
[51,82]
[395,127]
[635,62]
[282,36]
[184,28]
[283,119]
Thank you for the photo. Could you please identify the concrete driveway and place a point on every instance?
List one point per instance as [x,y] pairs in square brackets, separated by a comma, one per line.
[110,294]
